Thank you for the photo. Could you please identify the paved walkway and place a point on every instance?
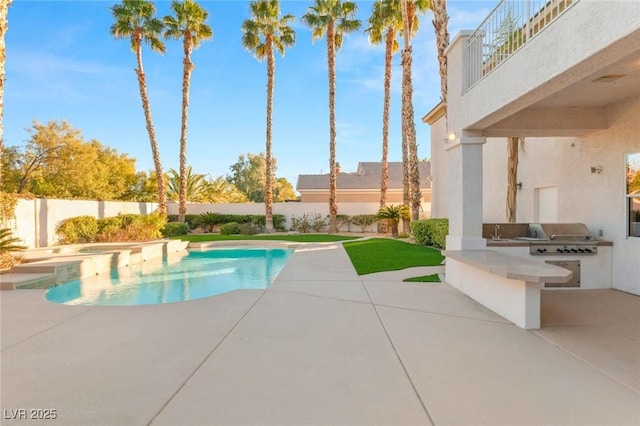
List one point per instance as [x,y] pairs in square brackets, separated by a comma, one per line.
[321,346]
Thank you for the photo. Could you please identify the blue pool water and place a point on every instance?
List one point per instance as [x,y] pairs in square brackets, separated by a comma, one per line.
[197,275]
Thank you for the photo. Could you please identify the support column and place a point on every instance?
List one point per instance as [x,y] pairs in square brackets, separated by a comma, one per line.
[464,157]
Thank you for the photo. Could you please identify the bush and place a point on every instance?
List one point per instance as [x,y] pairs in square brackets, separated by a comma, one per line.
[343,219]
[318,222]
[301,224]
[131,227]
[249,229]
[125,227]
[279,222]
[431,232]
[175,229]
[230,228]
[363,221]
[79,229]
[192,220]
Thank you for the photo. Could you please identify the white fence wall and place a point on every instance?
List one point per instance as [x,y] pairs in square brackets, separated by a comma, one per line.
[36,220]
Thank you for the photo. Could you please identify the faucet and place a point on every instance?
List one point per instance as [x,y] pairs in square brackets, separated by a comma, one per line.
[496,234]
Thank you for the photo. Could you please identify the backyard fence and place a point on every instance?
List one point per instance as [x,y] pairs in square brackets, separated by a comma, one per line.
[36,220]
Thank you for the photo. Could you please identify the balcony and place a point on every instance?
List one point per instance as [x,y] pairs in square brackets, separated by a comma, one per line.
[507,28]
[545,68]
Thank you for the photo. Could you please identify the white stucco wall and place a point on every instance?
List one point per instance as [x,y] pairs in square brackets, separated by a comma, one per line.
[598,200]
[579,44]
[36,220]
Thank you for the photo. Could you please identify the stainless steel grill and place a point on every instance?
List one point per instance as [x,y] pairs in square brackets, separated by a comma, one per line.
[561,238]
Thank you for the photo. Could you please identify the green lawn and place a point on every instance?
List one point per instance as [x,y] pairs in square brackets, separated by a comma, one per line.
[300,238]
[433,278]
[383,254]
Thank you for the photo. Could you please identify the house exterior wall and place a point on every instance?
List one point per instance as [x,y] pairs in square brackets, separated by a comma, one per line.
[598,200]
[439,169]
[393,197]
[590,34]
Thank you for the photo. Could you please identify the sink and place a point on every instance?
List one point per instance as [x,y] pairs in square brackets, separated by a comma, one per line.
[527,239]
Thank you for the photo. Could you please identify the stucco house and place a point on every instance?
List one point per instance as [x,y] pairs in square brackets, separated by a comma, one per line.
[363,186]
[567,79]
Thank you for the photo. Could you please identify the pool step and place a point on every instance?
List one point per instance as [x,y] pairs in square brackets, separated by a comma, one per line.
[13,281]
[47,267]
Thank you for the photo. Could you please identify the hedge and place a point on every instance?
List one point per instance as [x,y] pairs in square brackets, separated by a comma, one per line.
[431,232]
[126,227]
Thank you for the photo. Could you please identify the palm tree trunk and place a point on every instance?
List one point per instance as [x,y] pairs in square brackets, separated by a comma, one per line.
[440,25]
[331,56]
[412,146]
[142,84]
[512,178]
[268,188]
[186,81]
[409,135]
[384,179]
[4,26]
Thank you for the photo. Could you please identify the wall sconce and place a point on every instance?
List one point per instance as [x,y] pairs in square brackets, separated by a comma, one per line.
[596,170]
[519,186]
[452,136]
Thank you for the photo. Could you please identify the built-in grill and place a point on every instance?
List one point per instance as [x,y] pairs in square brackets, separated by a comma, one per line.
[561,238]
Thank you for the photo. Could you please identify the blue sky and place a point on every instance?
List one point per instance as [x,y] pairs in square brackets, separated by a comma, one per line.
[62,63]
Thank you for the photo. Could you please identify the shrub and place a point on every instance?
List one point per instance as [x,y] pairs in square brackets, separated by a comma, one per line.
[10,249]
[230,228]
[175,229]
[79,229]
[392,215]
[363,221]
[344,219]
[279,222]
[131,227]
[249,229]
[431,232]
[301,224]
[318,222]
[208,220]
[192,220]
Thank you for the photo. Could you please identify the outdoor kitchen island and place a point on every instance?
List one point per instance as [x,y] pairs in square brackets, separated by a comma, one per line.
[569,245]
[520,260]
[506,284]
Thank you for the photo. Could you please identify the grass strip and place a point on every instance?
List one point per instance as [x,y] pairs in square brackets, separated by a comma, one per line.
[433,278]
[383,254]
[299,238]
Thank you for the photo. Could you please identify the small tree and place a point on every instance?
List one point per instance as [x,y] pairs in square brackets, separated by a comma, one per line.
[393,215]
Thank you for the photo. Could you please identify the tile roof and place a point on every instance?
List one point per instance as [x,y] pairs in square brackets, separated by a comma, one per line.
[366,177]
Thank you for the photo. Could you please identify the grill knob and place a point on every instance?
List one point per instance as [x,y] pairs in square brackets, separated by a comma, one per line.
[574,251]
[587,250]
[560,250]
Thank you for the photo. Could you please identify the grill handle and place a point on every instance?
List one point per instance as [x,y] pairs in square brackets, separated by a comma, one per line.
[586,237]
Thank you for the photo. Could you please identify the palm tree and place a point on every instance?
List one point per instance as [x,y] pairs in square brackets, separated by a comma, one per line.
[135,19]
[333,18]
[514,146]
[4,26]
[196,185]
[263,34]
[440,26]
[411,176]
[189,25]
[392,215]
[385,23]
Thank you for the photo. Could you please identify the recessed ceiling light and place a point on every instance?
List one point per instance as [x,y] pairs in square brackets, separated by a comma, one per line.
[608,78]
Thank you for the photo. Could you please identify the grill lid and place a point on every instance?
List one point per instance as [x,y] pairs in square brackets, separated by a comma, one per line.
[560,231]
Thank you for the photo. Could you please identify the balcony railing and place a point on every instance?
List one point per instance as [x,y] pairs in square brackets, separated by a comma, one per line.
[507,28]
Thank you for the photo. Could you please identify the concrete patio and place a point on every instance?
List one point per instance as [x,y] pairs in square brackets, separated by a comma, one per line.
[323,346]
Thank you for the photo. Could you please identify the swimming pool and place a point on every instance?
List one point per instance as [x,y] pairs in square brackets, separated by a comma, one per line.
[197,275]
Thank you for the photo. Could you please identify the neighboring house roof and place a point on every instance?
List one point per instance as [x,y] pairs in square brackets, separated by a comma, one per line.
[366,177]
